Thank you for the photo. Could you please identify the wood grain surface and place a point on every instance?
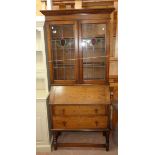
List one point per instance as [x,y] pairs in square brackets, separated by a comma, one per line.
[86,94]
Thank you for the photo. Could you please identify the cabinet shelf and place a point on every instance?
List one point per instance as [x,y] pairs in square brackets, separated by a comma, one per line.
[55,49]
[40,68]
[95,63]
[84,48]
[65,67]
[90,37]
[66,64]
[94,66]
[58,39]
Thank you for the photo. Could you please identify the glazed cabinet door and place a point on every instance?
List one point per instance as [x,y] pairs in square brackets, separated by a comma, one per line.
[62,38]
[94,51]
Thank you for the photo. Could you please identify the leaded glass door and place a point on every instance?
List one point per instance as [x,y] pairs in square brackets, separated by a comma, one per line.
[93,51]
[63,46]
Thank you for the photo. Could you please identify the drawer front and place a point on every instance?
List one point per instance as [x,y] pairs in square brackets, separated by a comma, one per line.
[76,110]
[97,122]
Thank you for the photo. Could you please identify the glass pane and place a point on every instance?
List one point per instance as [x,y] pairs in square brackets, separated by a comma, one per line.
[63,49]
[93,49]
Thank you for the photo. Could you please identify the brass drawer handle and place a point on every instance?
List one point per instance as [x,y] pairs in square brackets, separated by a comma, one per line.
[96,111]
[63,111]
[96,123]
[64,123]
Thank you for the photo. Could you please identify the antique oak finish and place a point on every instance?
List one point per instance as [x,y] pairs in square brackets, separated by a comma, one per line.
[78,43]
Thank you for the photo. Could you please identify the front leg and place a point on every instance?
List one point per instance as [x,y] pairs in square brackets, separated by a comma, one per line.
[58,134]
[55,140]
[104,133]
[107,140]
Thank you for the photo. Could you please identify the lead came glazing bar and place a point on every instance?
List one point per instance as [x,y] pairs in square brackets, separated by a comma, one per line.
[70,61]
[63,51]
[85,50]
[93,75]
[56,62]
[93,47]
[81,58]
[93,35]
[64,62]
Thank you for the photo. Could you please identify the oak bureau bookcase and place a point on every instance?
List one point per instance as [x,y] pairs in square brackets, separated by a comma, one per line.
[78,43]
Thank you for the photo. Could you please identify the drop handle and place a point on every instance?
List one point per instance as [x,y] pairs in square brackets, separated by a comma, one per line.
[96,111]
[64,123]
[63,111]
[96,123]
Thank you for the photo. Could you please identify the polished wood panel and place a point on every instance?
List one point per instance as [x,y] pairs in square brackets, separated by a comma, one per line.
[81,94]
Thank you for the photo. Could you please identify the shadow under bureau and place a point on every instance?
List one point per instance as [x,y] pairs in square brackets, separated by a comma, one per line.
[83,108]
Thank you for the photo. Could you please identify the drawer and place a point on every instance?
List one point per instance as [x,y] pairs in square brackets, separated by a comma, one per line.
[76,110]
[78,122]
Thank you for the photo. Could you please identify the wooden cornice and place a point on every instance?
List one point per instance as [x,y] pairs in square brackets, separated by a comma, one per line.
[77,11]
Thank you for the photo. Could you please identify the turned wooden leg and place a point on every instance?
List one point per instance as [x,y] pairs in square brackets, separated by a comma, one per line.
[51,144]
[107,140]
[58,134]
[55,140]
[104,133]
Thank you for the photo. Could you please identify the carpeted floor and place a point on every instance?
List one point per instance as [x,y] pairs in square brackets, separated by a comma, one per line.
[91,137]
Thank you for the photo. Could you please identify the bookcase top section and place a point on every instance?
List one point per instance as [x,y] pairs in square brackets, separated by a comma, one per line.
[77,11]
